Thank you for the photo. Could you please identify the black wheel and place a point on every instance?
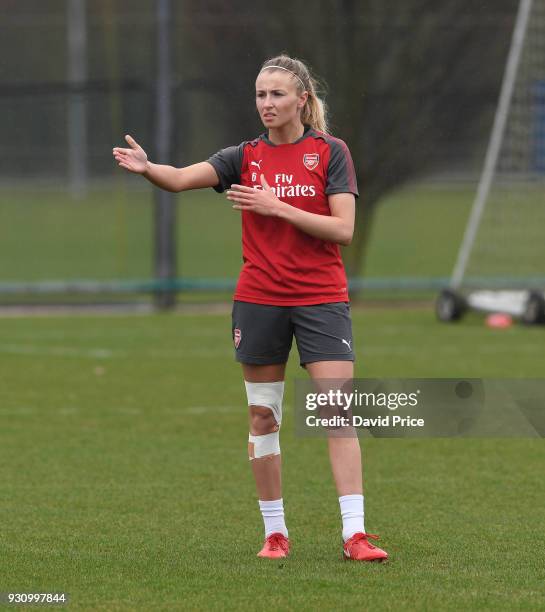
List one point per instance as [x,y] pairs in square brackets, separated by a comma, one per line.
[449,306]
[534,309]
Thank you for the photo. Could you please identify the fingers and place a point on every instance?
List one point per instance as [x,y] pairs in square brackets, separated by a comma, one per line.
[242,188]
[264,182]
[132,142]
[241,207]
[125,157]
[240,197]
[122,160]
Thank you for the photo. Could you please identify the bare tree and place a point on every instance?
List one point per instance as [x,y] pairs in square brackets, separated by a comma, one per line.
[406,78]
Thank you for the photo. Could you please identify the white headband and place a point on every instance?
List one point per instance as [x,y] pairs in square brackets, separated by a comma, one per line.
[282,68]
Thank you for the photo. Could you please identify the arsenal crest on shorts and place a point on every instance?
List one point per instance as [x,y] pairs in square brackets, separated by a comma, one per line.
[237,336]
[311,160]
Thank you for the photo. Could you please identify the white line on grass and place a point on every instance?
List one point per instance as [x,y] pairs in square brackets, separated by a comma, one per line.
[17,411]
[205,409]
[59,351]
[74,410]
[411,349]
[103,353]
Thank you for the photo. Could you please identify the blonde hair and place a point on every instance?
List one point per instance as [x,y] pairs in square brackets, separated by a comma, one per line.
[314,113]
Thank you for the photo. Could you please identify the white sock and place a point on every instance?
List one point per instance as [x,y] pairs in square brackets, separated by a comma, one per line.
[352,515]
[273,516]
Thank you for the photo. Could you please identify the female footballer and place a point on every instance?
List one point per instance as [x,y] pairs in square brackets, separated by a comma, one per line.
[295,187]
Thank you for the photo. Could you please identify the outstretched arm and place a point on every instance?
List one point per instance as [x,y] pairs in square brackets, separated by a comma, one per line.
[169,178]
[339,227]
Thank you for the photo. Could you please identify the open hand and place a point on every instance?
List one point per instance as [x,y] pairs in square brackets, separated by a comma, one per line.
[261,201]
[133,159]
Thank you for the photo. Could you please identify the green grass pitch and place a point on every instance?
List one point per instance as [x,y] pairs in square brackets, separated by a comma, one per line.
[109,234]
[125,480]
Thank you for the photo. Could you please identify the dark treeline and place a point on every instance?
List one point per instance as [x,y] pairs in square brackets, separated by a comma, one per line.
[411,84]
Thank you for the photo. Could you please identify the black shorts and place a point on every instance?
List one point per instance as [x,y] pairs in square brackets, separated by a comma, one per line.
[263,334]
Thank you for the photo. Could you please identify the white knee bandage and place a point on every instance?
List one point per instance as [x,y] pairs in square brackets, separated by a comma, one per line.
[268,395]
[263,446]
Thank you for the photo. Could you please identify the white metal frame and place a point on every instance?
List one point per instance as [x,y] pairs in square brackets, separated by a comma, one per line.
[494,145]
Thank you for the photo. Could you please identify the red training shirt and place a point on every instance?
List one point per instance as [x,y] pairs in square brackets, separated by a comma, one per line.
[284,266]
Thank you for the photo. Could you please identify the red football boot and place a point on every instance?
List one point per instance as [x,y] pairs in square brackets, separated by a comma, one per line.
[358,548]
[275,547]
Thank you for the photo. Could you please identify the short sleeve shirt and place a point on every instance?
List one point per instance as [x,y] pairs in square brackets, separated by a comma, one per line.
[283,265]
